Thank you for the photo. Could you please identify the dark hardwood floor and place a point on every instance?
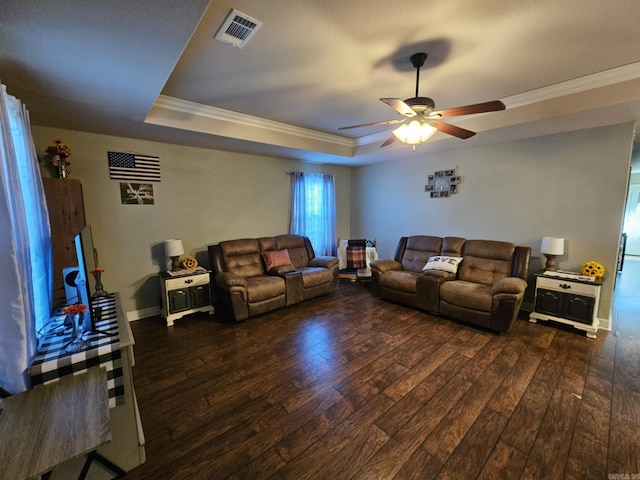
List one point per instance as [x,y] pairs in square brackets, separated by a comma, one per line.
[350,386]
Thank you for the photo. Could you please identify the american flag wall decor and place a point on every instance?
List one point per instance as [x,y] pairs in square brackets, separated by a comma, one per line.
[133,167]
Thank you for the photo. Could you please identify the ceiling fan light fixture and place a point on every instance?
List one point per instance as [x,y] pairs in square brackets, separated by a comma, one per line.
[415,132]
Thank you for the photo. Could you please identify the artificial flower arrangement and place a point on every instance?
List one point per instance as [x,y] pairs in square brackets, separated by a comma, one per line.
[59,152]
[76,309]
[59,148]
[97,270]
[592,269]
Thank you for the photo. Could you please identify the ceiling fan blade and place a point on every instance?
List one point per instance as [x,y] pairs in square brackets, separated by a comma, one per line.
[459,132]
[399,106]
[389,141]
[493,106]
[387,122]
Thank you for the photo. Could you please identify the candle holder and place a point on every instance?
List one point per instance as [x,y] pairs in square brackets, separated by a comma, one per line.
[75,319]
[100,291]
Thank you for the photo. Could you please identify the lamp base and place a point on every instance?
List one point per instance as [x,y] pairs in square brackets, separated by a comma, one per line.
[550,266]
[175,264]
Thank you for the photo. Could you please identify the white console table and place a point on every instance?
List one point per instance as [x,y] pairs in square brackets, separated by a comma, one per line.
[111,350]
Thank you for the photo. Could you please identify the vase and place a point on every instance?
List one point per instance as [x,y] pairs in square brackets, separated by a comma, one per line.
[77,344]
[60,162]
[100,292]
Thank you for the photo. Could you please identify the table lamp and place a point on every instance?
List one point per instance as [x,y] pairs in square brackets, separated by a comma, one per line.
[552,247]
[173,248]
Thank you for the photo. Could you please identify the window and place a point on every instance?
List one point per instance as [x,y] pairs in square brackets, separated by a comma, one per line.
[313,210]
[26,284]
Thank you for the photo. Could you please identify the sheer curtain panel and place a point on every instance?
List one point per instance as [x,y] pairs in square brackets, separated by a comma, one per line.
[313,210]
[25,241]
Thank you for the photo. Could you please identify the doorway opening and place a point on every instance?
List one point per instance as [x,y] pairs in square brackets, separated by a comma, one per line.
[626,294]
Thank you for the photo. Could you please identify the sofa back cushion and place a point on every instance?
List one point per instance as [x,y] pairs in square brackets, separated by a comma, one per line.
[486,261]
[299,247]
[242,257]
[452,246]
[417,251]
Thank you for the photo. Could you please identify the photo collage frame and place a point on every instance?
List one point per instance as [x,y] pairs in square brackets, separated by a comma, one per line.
[443,184]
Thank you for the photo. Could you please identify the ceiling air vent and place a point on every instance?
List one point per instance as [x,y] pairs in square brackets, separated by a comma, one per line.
[237,29]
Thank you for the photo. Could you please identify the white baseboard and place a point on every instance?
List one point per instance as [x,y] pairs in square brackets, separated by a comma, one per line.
[143,313]
[605,324]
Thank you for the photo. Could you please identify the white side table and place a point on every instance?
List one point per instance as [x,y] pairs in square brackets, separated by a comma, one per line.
[569,301]
[184,294]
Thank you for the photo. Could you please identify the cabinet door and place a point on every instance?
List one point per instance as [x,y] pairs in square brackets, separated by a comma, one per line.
[178,300]
[200,296]
[579,308]
[549,302]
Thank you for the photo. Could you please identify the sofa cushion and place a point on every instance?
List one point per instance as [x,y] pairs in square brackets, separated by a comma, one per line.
[418,250]
[297,247]
[264,288]
[452,246]
[314,276]
[447,264]
[242,257]
[467,294]
[401,280]
[276,258]
[486,261]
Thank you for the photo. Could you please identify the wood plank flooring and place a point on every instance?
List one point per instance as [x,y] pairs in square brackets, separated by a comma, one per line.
[351,386]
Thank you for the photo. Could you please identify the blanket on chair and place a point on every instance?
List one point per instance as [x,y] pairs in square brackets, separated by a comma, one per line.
[356,257]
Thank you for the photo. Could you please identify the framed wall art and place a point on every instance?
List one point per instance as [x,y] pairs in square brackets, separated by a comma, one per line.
[443,183]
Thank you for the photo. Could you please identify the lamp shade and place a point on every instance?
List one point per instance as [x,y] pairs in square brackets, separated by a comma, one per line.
[173,248]
[415,132]
[552,246]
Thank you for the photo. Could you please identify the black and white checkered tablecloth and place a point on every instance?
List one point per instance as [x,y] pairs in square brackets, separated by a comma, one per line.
[52,361]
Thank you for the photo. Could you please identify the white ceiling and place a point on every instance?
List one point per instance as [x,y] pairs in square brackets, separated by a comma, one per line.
[151,69]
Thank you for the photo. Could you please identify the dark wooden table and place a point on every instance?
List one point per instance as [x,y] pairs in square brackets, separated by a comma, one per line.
[49,424]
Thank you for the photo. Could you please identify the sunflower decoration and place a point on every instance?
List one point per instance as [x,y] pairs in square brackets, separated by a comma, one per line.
[189,262]
[592,269]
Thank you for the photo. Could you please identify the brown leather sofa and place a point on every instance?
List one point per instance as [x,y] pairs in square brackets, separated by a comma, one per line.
[247,288]
[487,289]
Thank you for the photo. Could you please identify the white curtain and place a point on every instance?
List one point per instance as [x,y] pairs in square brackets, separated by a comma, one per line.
[26,285]
[313,210]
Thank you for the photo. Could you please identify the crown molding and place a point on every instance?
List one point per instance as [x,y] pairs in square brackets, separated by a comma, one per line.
[216,113]
[588,82]
[576,85]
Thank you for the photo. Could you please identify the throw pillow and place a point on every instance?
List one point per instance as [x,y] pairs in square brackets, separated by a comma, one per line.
[276,258]
[447,264]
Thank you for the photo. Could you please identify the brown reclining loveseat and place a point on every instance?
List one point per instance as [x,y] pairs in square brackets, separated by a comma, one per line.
[246,286]
[486,288]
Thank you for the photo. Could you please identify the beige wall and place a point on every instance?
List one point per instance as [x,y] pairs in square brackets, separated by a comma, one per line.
[205,196]
[570,185]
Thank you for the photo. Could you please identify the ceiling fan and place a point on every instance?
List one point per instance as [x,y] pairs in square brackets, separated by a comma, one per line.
[421,119]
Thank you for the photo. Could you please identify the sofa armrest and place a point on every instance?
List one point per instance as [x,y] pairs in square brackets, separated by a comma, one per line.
[228,280]
[513,285]
[428,289]
[324,261]
[281,270]
[385,265]
[508,295]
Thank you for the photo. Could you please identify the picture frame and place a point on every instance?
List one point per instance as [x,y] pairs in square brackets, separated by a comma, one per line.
[443,183]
